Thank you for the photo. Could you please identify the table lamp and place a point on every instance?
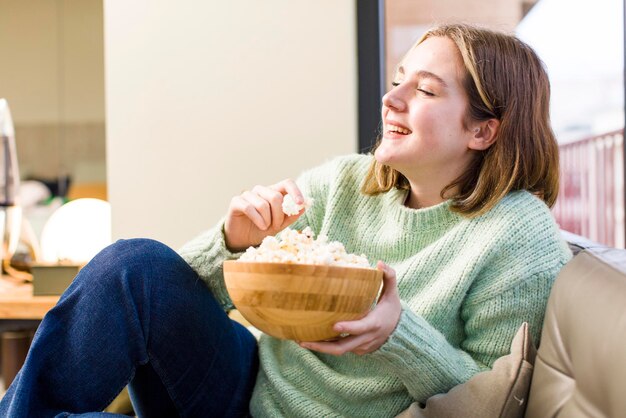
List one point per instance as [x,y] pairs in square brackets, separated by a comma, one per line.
[71,237]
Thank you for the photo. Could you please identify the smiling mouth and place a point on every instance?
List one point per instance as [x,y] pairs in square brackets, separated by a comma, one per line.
[398,129]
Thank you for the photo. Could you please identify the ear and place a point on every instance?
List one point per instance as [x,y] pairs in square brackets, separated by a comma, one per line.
[484,134]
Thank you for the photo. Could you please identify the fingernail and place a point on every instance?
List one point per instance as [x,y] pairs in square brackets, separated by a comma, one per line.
[338,328]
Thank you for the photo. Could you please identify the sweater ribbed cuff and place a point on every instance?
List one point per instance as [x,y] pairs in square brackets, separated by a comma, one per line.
[206,255]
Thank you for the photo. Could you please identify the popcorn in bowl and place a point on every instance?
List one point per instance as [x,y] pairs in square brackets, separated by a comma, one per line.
[295,247]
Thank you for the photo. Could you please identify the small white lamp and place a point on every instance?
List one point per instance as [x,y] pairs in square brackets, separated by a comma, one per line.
[76,231]
[72,236]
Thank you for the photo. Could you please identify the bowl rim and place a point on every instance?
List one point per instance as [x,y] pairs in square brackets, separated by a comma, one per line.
[295,266]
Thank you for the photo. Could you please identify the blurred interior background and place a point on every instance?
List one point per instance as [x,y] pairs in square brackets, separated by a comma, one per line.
[167,109]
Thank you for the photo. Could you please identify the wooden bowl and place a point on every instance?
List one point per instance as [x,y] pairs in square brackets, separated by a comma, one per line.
[300,302]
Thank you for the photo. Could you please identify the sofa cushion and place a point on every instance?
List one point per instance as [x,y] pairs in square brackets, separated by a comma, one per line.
[579,243]
[499,392]
[581,364]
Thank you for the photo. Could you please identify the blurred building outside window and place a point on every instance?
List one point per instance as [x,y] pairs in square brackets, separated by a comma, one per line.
[582,45]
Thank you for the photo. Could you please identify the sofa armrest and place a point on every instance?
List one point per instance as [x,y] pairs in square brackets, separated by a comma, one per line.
[580,369]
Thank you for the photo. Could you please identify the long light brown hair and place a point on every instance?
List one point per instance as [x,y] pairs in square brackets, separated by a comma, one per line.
[504,79]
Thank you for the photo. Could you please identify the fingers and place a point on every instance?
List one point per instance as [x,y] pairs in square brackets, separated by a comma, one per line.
[255,214]
[390,285]
[359,344]
[261,206]
[372,322]
[368,334]
[241,205]
[289,186]
[368,324]
[275,201]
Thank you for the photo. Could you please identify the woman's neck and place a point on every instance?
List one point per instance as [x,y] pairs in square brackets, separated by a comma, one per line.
[423,196]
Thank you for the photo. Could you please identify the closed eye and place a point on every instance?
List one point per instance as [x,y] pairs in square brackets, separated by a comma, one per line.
[425,92]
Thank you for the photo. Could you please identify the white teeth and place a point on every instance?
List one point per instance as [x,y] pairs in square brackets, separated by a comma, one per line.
[398,129]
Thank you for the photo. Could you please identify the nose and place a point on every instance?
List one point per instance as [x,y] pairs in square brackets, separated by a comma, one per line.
[393,99]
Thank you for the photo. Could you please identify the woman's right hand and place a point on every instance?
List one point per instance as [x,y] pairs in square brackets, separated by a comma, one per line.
[256,214]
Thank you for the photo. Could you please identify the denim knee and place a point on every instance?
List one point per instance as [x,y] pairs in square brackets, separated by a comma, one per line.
[140,249]
[138,256]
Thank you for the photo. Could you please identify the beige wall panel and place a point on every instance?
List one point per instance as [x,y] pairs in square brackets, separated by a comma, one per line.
[207,98]
[52,60]
[28,41]
[83,77]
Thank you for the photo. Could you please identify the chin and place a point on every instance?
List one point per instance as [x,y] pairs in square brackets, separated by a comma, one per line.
[392,161]
[383,155]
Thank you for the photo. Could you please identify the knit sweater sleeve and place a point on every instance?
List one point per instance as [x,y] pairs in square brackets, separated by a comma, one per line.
[206,254]
[428,364]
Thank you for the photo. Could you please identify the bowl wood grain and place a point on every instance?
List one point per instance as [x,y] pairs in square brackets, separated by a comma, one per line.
[300,301]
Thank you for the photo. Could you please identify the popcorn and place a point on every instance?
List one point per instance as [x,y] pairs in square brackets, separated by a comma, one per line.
[290,207]
[295,247]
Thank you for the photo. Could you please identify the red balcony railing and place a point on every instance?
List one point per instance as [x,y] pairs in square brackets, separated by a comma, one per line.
[591,195]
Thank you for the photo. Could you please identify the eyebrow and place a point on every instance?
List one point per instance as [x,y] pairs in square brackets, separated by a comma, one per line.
[426,74]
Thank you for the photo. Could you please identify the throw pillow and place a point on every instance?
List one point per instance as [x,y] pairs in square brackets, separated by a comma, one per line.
[501,392]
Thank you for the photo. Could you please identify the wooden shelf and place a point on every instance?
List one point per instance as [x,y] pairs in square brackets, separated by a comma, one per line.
[17,301]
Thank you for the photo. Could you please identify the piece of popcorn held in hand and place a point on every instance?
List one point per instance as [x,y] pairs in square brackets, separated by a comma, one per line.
[290,207]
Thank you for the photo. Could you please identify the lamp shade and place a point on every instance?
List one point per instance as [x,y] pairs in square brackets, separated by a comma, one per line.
[9,172]
[10,211]
[77,231]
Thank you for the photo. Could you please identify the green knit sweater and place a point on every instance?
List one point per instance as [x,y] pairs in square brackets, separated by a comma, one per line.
[466,286]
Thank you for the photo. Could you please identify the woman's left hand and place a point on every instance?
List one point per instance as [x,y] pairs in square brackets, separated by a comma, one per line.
[369,333]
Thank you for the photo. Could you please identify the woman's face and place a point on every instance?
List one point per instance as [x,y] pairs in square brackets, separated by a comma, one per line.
[423,131]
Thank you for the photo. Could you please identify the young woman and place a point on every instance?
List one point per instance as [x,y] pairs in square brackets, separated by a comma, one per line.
[454,202]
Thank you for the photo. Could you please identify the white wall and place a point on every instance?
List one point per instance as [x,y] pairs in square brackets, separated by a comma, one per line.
[52,74]
[207,98]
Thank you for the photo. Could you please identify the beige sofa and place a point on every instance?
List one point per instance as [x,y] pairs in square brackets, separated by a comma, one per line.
[580,367]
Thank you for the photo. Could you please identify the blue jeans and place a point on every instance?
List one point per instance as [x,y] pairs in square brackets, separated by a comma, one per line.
[136,314]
